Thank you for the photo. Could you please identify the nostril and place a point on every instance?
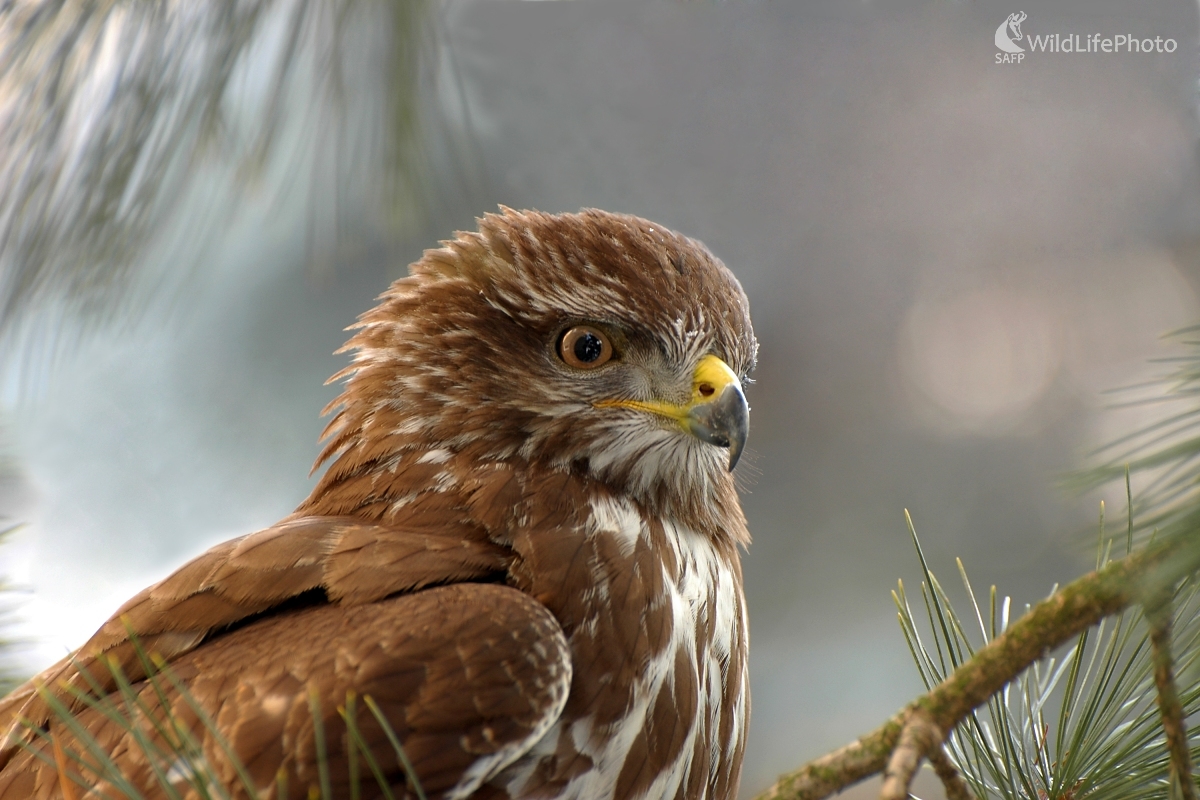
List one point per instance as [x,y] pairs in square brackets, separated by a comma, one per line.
[706,390]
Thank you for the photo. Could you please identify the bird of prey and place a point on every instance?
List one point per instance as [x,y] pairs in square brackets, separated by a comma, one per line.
[524,549]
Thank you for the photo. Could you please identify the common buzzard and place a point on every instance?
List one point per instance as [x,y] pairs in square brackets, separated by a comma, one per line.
[524,551]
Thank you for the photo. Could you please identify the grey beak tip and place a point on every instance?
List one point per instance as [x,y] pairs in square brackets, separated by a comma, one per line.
[735,453]
[724,422]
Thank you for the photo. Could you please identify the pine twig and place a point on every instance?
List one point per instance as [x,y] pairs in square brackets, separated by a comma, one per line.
[1158,614]
[919,736]
[1060,617]
[956,788]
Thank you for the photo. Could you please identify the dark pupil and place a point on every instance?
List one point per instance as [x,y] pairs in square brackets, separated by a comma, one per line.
[588,348]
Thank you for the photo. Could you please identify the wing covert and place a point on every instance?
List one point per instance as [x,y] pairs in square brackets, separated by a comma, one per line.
[353,561]
[469,676]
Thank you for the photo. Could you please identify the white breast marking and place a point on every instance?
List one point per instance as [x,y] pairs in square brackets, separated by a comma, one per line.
[704,580]
[616,517]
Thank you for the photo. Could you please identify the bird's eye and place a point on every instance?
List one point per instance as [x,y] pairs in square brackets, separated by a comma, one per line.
[585,347]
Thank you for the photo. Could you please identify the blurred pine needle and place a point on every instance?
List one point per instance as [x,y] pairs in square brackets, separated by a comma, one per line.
[11,672]
[181,757]
[1164,455]
[1084,722]
[112,111]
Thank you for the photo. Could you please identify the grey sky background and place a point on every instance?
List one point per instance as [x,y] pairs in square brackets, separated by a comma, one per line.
[947,260]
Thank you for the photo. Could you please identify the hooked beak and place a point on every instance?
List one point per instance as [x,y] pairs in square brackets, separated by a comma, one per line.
[717,413]
[722,417]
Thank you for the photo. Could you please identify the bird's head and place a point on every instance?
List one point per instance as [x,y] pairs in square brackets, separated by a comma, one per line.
[593,342]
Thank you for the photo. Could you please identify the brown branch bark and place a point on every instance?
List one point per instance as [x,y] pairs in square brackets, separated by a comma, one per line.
[1058,618]
[1158,614]
[956,787]
[918,737]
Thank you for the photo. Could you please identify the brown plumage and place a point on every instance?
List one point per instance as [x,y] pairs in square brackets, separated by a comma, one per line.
[524,549]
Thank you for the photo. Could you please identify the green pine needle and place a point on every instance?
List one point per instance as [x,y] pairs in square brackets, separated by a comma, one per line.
[1079,723]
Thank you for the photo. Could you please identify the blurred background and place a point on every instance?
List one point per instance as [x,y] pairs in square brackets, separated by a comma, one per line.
[948,261]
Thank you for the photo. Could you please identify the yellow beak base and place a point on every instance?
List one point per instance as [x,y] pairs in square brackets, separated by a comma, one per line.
[717,414]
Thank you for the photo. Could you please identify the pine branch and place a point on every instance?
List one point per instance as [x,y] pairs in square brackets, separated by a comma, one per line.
[920,728]
[1158,613]
[956,787]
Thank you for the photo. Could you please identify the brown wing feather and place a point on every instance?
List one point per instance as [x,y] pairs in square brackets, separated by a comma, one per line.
[354,561]
[468,675]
